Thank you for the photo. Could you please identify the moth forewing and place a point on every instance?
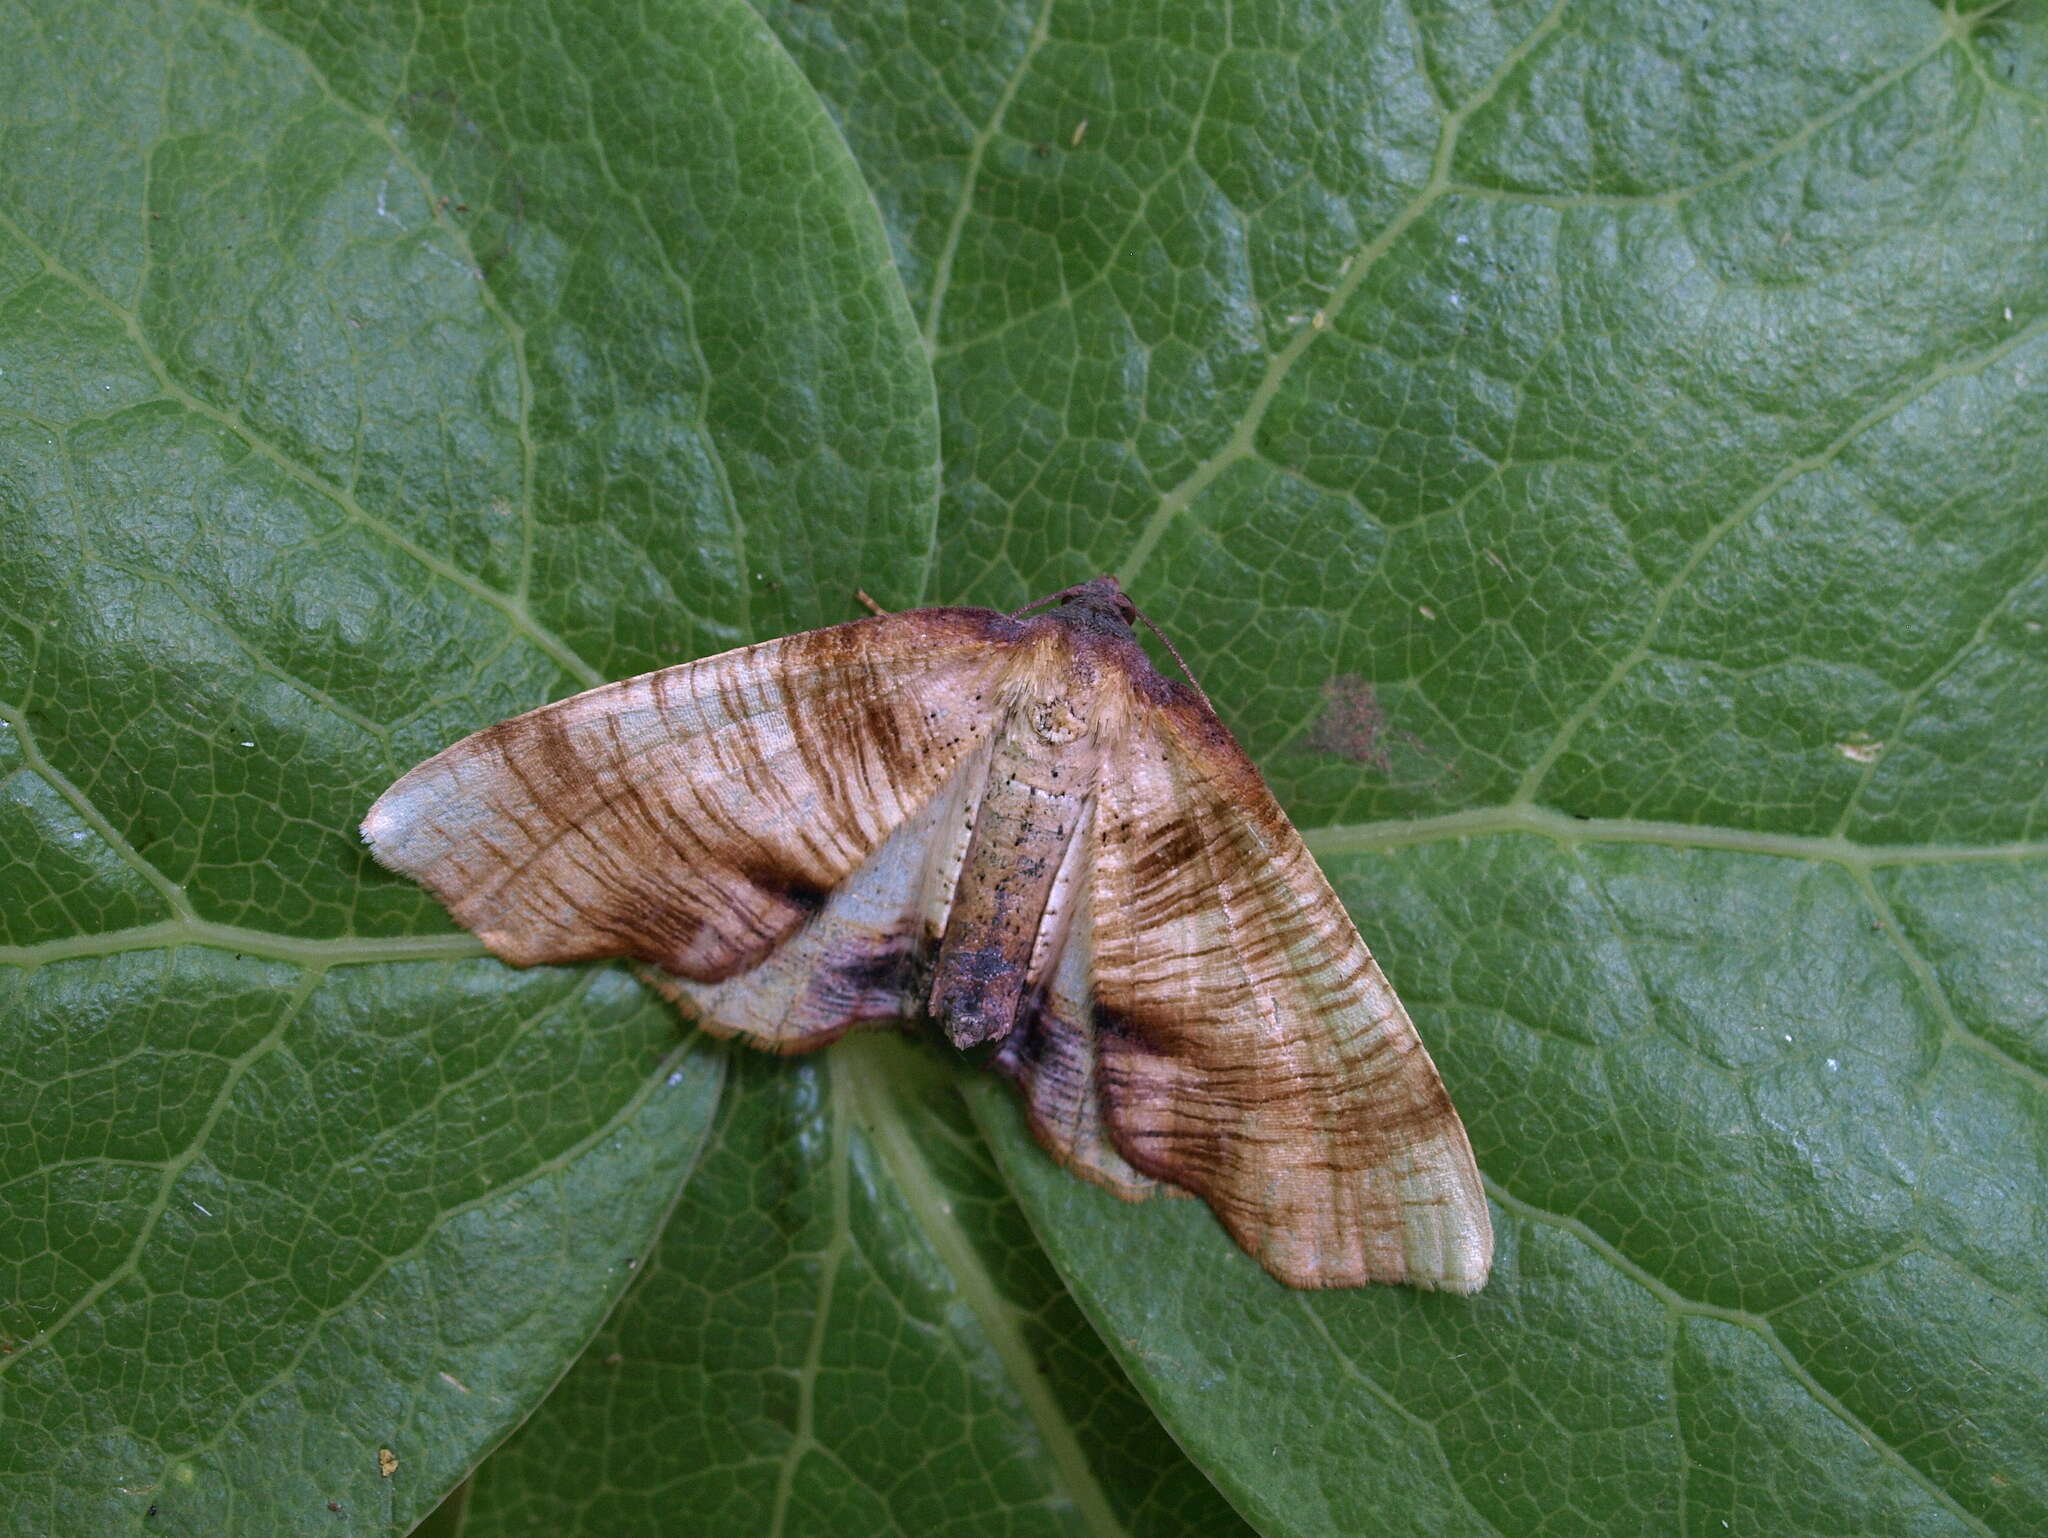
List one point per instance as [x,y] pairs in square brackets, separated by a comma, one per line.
[696,816]
[1251,1050]
[856,961]
[1020,829]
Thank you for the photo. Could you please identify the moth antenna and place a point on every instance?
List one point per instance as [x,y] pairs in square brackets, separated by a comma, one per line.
[1185,671]
[1070,592]
[868,603]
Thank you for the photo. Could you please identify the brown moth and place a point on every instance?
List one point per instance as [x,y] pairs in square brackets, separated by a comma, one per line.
[1021,830]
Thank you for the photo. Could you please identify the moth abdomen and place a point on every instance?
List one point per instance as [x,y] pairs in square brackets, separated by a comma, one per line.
[976,994]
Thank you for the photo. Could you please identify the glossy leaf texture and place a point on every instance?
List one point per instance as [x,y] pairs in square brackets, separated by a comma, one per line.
[1588,451]
[367,378]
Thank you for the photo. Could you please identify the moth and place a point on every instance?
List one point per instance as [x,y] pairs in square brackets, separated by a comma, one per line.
[1016,827]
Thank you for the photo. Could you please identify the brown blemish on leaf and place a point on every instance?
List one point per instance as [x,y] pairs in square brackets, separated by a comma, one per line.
[1352,724]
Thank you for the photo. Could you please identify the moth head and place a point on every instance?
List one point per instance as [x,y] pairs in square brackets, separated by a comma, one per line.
[1098,602]
[1103,593]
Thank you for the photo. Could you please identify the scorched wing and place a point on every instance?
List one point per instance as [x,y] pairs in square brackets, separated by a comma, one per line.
[1015,827]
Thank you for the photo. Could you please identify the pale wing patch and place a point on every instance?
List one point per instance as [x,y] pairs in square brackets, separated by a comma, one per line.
[860,958]
[694,817]
[1250,1049]
[1051,1052]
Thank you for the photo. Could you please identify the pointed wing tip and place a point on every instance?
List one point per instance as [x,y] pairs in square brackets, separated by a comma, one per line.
[1462,1274]
[378,831]
[1450,1248]
[1448,1242]
[405,838]
[1440,1243]
[386,829]
[409,827]
[1464,1286]
[1457,1286]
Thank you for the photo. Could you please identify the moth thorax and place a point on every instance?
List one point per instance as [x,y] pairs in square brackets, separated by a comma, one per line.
[1057,719]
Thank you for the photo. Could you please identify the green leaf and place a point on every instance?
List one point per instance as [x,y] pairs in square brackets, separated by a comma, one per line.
[360,390]
[848,1329]
[1588,452]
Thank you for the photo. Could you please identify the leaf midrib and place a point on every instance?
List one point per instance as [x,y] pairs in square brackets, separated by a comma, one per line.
[1324,842]
[860,1073]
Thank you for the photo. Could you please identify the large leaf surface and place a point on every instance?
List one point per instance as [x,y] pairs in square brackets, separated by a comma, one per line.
[360,389]
[1590,453]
